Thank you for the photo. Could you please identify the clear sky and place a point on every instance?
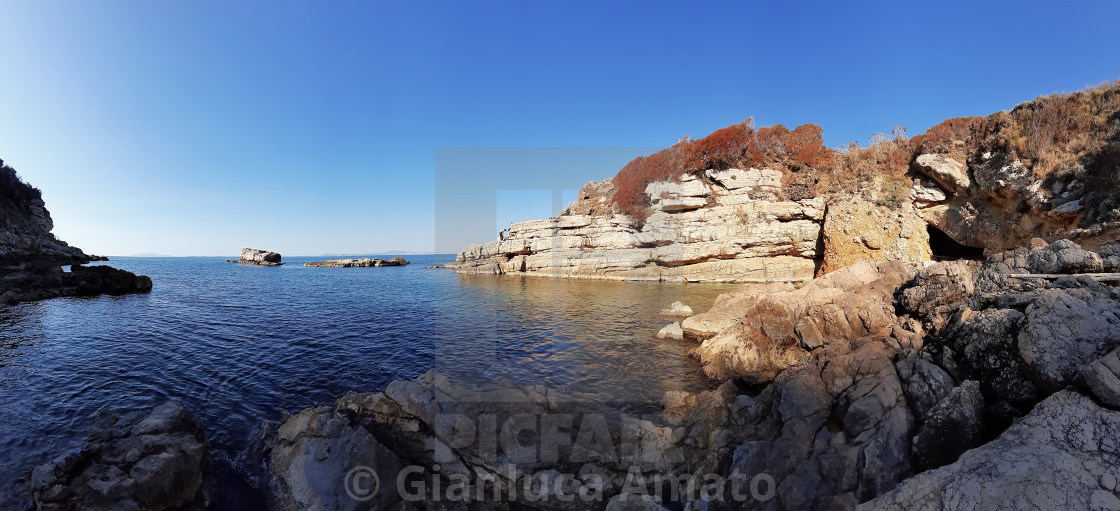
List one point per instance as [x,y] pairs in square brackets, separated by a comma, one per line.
[196,128]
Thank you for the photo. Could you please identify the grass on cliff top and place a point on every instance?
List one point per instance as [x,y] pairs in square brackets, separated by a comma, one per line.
[1074,136]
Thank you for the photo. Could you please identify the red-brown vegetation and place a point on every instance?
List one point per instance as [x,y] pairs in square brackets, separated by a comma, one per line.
[1066,136]
[738,145]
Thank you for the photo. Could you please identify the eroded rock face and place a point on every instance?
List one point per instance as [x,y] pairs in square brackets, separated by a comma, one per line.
[1063,455]
[726,226]
[856,230]
[153,460]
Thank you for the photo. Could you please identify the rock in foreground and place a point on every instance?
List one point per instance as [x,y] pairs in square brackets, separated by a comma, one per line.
[43,283]
[365,262]
[258,257]
[1063,455]
[154,460]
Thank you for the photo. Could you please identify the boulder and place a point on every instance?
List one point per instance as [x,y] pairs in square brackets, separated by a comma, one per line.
[950,427]
[1062,455]
[677,309]
[1102,376]
[764,334]
[672,331]
[1065,329]
[945,170]
[152,460]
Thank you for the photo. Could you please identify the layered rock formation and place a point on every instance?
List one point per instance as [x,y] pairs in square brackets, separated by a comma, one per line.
[951,385]
[364,262]
[31,258]
[726,226]
[966,188]
[153,460]
[257,257]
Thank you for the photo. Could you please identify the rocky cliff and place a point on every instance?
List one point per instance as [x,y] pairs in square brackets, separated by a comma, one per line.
[31,258]
[727,226]
[773,205]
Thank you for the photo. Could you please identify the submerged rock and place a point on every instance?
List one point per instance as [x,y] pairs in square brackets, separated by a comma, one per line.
[677,309]
[359,263]
[31,257]
[672,331]
[153,460]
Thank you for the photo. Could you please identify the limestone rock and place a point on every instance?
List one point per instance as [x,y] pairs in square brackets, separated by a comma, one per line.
[424,423]
[154,460]
[1057,457]
[672,331]
[856,230]
[1064,329]
[948,172]
[1102,376]
[364,262]
[314,454]
[762,334]
[726,226]
[259,257]
[1064,256]
[950,427]
[924,382]
[677,309]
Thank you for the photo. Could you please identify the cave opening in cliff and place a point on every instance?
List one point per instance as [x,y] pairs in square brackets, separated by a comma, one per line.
[945,248]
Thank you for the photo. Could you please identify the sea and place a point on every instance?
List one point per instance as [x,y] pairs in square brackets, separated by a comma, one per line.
[238,345]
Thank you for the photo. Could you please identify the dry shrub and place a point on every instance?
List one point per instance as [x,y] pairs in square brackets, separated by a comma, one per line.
[799,153]
[721,150]
[630,182]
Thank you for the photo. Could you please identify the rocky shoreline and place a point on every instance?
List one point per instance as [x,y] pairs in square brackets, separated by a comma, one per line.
[32,258]
[949,385]
[880,386]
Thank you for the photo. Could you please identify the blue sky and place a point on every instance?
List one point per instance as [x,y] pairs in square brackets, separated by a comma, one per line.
[196,128]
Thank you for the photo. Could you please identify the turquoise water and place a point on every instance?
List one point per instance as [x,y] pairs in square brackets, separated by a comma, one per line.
[238,344]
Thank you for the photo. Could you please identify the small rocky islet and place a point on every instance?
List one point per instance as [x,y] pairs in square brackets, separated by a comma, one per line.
[948,340]
[257,257]
[364,262]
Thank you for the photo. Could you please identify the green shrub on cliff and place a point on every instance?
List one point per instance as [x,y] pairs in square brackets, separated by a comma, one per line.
[13,189]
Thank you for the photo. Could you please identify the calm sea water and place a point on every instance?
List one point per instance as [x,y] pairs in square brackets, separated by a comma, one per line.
[239,344]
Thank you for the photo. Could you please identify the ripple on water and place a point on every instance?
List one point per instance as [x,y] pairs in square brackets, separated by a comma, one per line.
[238,344]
